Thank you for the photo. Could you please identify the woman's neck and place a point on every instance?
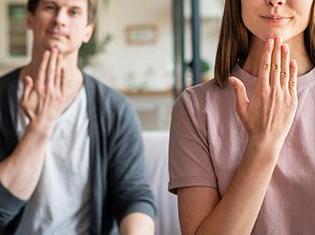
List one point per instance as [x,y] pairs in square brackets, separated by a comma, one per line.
[297,52]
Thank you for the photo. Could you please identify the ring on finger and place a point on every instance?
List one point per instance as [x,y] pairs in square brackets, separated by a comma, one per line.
[274,67]
[267,66]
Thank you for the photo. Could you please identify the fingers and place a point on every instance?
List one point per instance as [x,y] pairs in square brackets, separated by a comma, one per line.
[276,69]
[293,78]
[51,70]
[264,68]
[276,64]
[59,73]
[41,74]
[285,66]
[28,86]
[241,95]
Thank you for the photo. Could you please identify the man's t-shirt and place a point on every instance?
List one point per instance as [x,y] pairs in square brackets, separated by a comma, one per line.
[61,202]
[208,140]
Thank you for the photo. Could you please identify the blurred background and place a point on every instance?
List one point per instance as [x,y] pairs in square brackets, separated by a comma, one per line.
[149,50]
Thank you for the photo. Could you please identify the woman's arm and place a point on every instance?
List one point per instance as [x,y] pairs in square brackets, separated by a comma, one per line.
[202,212]
[267,118]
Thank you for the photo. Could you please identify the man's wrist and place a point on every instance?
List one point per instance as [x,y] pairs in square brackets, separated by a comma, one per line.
[41,129]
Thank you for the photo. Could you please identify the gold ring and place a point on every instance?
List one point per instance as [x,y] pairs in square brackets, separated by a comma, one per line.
[267,66]
[274,67]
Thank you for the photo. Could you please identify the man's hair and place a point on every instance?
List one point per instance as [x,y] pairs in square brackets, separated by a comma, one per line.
[234,42]
[33,4]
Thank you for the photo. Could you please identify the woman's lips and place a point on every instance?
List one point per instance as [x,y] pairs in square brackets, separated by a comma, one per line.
[276,19]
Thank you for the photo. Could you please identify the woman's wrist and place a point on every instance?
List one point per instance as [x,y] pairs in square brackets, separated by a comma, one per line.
[265,149]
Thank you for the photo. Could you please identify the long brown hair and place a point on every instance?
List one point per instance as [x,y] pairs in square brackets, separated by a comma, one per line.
[234,41]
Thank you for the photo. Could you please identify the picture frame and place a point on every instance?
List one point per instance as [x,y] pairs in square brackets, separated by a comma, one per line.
[15,45]
[145,34]
[17,42]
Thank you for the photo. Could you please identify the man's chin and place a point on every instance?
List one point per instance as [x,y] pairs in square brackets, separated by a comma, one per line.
[61,49]
[51,45]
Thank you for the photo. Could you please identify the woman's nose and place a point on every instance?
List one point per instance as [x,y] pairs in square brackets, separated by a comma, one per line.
[275,3]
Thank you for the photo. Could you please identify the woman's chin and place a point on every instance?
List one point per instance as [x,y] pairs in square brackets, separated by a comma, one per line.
[272,35]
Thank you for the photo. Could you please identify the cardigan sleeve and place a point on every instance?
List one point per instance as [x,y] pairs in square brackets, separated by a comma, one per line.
[10,205]
[127,182]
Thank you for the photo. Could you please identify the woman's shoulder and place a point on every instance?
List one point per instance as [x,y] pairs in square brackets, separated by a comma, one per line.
[205,93]
[204,87]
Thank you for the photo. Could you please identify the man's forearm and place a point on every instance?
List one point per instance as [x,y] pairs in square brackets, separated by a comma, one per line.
[20,172]
[137,224]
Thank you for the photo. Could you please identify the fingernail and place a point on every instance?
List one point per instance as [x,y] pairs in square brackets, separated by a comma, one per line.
[54,49]
[278,39]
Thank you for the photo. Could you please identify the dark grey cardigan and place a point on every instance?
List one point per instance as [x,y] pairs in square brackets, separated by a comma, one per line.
[116,154]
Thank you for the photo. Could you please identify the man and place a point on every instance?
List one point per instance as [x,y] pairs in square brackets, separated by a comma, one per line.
[71,153]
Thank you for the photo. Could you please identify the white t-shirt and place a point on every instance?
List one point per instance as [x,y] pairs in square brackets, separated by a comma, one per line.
[61,201]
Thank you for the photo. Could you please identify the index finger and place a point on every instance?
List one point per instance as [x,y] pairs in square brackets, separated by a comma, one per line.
[41,73]
[265,63]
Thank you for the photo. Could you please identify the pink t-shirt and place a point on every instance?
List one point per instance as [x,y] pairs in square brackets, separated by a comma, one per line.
[207,143]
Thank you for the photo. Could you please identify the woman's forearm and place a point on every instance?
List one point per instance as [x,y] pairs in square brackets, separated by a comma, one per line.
[237,211]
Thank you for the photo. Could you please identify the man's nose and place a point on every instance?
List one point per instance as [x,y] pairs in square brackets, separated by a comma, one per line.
[61,17]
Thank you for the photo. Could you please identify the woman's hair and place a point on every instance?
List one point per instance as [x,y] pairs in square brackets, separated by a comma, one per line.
[234,42]
[32,6]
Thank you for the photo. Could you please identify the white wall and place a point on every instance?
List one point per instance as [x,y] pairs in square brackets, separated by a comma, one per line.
[121,63]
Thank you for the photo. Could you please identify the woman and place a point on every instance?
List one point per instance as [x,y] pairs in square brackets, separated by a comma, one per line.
[251,171]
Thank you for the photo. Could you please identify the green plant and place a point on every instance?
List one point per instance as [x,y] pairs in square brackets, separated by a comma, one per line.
[92,48]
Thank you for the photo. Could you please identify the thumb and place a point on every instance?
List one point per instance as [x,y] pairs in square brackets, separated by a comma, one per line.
[240,94]
[28,85]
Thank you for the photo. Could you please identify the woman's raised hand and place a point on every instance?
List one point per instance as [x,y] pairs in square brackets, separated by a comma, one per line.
[269,115]
[43,97]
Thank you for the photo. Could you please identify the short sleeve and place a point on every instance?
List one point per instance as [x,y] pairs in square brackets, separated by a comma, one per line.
[190,161]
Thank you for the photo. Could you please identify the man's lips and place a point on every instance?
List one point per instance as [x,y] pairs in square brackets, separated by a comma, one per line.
[56,34]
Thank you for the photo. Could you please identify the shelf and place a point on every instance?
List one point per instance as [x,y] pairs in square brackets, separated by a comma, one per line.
[133,92]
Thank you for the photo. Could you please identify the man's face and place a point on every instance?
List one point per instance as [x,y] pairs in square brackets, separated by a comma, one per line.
[62,24]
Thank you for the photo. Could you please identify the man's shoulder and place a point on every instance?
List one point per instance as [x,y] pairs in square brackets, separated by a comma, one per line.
[9,78]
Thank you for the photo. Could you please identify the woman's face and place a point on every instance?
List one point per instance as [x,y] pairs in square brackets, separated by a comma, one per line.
[271,18]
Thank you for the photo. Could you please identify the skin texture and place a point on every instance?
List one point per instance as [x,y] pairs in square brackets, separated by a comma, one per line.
[267,117]
[290,30]
[51,82]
